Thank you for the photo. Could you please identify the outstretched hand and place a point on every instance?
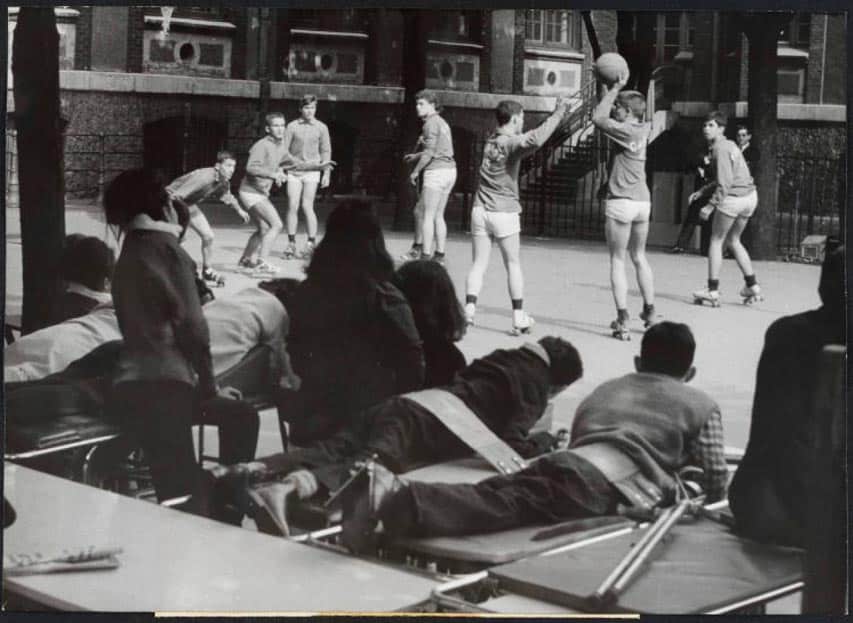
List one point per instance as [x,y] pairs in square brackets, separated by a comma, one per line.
[621,81]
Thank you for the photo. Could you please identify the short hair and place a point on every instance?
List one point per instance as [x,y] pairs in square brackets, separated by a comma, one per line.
[87,260]
[432,297]
[506,110]
[831,286]
[352,251]
[273,115]
[282,288]
[135,192]
[668,348]
[634,102]
[428,95]
[223,155]
[718,117]
[744,128]
[566,365]
[307,100]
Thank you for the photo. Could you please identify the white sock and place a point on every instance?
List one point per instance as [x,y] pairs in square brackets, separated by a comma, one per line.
[518,317]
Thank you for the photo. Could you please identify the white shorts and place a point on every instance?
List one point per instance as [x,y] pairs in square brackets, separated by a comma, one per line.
[496,224]
[251,199]
[303,176]
[739,207]
[627,210]
[440,179]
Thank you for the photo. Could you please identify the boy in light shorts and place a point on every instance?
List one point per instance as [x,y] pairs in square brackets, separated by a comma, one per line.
[628,205]
[496,210]
[734,199]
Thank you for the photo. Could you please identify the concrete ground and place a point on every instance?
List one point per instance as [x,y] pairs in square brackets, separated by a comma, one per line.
[567,291]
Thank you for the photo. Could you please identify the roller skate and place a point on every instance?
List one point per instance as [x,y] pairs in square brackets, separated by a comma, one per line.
[411,255]
[648,316]
[289,251]
[470,310]
[212,278]
[751,294]
[524,327]
[258,268]
[619,329]
[707,296]
[307,252]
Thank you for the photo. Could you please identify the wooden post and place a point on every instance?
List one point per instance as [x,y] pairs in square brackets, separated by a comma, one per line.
[35,67]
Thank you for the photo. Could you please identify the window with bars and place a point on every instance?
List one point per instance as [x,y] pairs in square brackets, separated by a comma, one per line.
[797,32]
[553,27]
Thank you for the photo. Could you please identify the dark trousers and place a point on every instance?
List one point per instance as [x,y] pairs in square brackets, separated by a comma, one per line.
[238,424]
[555,488]
[691,220]
[159,415]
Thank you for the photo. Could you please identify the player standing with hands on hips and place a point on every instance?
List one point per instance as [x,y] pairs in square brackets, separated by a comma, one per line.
[496,212]
[628,205]
[734,199]
[434,158]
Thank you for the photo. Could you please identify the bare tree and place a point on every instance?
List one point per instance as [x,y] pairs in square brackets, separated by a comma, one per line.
[35,68]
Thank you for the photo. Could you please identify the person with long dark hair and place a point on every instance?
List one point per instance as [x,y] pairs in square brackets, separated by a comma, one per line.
[438,316]
[164,375]
[353,339]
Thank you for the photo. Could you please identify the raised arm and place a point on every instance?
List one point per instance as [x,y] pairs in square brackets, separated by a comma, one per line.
[532,140]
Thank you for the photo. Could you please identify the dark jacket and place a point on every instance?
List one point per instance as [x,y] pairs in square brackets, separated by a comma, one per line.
[352,348]
[159,313]
[768,492]
[72,305]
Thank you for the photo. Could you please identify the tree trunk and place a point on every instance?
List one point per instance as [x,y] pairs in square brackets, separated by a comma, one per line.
[35,69]
[762,32]
[415,31]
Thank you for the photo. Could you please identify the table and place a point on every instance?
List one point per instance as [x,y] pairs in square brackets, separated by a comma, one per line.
[176,562]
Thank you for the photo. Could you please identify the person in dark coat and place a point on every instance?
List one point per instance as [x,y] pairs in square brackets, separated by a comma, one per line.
[353,340]
[771,485]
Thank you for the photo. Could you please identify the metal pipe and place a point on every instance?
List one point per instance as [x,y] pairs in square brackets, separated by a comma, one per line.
[666,526]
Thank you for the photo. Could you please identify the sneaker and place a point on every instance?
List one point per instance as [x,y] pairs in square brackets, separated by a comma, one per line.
[289,251]
[262,267]
[524,326]
[307,252]
[270,512]
[707,296]
[411,255]
[208,274]
[751,294]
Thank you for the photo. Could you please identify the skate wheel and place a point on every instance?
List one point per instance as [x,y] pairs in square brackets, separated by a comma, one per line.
[697,301]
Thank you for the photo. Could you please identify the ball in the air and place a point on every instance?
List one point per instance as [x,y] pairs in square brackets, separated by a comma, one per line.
[610,66]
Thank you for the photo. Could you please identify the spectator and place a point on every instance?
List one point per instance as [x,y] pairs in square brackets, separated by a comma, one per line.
[438,317]
[87,269]
[750,152]
[768,491]
[353,340]
[164,369]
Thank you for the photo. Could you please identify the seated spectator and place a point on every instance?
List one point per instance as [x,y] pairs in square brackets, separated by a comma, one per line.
[87,268]
[507,390]
[649,424]
[52,349]
[438,317]
[769,489]
[353,340]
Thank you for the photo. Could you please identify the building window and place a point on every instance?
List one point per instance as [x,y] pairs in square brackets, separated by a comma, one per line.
[553,27]
[791,83]
[337,20]
[797,32]
[459,26]
[675,32]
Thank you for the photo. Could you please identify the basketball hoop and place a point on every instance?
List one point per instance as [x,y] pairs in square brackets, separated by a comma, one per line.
[166,12]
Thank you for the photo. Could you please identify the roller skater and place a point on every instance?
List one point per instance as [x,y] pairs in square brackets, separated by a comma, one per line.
[734,199]
[212,278]
[523,327]
[628,205]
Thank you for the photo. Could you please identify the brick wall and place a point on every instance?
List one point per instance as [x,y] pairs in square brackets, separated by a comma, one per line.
[518,51]
[700,68]
[606,26]
[486,52]
[239,17]
[83,39]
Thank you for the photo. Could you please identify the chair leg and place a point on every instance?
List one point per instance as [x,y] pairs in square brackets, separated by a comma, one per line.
[201,444]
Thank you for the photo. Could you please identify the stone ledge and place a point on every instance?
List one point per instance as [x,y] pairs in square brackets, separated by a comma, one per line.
[337,92]
[835,113]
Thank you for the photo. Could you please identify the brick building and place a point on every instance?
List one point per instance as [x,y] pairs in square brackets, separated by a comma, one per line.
[134,96]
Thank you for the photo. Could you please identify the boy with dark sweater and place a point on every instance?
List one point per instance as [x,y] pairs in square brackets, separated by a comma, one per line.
[646,425]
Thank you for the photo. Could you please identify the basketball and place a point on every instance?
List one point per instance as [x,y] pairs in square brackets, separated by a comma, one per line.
[610,66]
